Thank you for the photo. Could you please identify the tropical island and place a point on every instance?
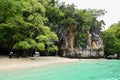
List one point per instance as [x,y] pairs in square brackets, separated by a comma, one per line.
[36,33]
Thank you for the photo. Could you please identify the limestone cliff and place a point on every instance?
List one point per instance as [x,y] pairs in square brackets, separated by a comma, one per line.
[94,45]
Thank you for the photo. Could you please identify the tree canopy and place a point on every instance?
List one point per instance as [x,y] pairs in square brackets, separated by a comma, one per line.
[22,25]
[44,24]
[111,38]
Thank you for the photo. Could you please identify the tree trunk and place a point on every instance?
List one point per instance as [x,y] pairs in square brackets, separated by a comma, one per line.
[25,53]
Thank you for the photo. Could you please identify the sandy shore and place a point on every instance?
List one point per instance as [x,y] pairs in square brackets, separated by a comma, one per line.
[7,64]
[13,64]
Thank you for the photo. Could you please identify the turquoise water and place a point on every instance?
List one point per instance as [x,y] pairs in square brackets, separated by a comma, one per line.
[96,70]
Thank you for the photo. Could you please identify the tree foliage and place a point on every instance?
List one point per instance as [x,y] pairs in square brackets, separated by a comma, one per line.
[22,25]
[43,24]
[111,38]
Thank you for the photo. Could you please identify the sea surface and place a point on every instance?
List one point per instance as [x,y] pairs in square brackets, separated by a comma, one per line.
[87,70]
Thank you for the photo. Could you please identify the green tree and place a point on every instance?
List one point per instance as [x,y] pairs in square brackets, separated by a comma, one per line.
[27,29]
[9,9]
[111,38]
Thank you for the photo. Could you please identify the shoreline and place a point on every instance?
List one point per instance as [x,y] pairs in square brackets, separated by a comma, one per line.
[24,63]
[34,62]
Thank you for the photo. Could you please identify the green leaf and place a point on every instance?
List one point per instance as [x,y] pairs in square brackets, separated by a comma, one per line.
[22,45]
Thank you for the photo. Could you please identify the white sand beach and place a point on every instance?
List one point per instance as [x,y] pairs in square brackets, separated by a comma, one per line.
[14,63]
[7,64]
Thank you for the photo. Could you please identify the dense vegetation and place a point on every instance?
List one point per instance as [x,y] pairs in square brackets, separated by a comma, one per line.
[43,25]
[111,38]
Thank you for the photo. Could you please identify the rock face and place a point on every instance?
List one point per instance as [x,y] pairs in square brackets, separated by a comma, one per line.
[94,46]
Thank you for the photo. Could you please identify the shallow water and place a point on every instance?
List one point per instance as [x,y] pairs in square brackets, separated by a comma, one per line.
[96,70]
